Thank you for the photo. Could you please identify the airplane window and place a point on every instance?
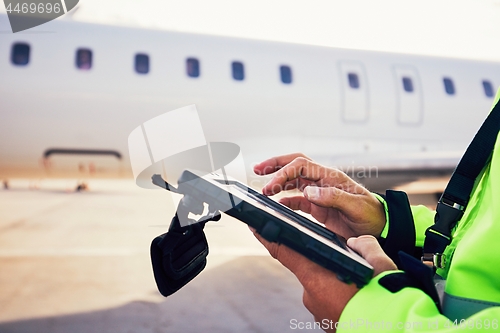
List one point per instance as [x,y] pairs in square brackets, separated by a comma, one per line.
[238,71]
[20,54]
[286,74]
[449,87]
[407,84]
[488,88]
[142,63]
[83,59]
[192,67]
[353,80]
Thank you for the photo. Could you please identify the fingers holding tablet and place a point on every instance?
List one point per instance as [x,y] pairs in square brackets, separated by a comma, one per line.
[330,196]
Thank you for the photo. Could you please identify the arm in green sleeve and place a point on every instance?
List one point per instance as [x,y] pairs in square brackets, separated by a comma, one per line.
[374,308]
[423,218]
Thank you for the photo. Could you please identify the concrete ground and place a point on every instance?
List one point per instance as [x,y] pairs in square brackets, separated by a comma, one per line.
[79,262]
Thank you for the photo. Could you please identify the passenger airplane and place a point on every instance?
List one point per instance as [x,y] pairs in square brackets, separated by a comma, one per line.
[71,92]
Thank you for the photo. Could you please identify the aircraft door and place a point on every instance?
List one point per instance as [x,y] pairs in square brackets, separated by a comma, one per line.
[354,85]
[409,93]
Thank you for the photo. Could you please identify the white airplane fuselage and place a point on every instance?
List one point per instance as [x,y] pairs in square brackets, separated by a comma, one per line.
[51,104]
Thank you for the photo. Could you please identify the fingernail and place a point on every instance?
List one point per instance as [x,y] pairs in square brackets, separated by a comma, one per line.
[312,192]
[265,190]
[256,169]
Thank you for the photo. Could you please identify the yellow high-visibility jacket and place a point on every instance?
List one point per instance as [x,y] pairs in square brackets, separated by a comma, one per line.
[472,289]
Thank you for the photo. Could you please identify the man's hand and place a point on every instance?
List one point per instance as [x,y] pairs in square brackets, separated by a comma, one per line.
[369,248]
[325,296]
[330,196]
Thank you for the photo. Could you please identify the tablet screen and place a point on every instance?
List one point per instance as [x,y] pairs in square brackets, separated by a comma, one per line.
[287,212]
[287,215]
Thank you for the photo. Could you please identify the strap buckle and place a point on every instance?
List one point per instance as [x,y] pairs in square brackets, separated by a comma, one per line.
[448,213]
[452,204]
[437,260]
[438,236]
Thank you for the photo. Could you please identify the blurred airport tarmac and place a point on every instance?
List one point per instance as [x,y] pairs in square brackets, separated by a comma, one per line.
[79,262]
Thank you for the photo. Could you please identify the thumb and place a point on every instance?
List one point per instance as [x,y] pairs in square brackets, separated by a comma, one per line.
[368,247]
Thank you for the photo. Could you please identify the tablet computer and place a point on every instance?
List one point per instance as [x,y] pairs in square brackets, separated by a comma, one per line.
[277,223]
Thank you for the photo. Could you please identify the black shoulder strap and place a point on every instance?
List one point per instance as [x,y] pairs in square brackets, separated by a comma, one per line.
[452,204]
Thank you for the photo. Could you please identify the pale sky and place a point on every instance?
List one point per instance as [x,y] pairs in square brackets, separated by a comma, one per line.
[453,28]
